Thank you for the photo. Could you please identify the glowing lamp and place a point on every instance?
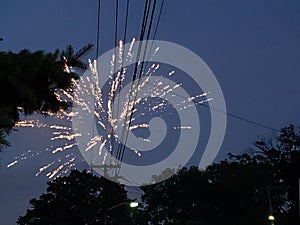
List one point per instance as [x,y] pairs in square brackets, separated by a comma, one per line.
[134,204]
[271,217]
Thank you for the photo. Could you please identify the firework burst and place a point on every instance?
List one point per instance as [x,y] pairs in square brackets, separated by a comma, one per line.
[110,111]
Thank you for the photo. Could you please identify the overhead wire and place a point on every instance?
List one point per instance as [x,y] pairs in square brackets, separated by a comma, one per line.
[151,21]
[115,66]
[98,28]
[121,146]
[116,23]
[122,62]
[140,73]
[225,112]
[147,30]
[158,19]
[97,55]
[156,29]
[144,28]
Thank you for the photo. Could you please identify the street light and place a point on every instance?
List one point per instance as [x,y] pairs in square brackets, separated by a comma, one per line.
[131,204]
[271,219]
[134,204]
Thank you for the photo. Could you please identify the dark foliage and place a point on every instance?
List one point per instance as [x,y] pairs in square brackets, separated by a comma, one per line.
[80,198]
[233,191]
[30,82]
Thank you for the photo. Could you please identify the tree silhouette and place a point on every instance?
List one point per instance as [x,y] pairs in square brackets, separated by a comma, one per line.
[30,82]
[233,191]
[241,190]
[80,198]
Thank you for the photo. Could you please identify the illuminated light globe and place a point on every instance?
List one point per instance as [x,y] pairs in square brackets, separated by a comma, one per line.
[134,204]
[271,217]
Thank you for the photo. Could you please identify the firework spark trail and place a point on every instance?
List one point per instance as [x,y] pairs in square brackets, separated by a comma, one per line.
[97,93]
[55,171]
[101,147]
[130,54]
[24,156]
[57,127]
[121,55]
[116,82]
[68,162]
[62,168]
[65,135]
[144,125]
[30,123]
[130,104]
[160,92]
[12,163]
[59,131]
[182,128]
[43,168]
[60,149]
[90,145]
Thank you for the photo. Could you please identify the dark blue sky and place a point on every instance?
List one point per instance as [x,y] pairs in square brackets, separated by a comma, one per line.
[253,48]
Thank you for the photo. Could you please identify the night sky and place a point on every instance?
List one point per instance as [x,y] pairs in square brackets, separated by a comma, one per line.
[252,47]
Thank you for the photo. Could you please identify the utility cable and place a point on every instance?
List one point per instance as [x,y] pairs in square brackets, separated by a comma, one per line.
[121,146]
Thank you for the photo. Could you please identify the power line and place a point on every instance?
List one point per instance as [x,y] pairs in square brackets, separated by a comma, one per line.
[126,22]
[144,28]
[215,109]
[122,63]
[242,118]
[145,19]
[115,64]
[98,28]
[97,54]
[124,35]
[147,30]
[158,19]
[155,31]
[141,70]
[121,146]
[116,24]
[227,113]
